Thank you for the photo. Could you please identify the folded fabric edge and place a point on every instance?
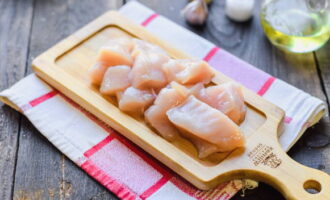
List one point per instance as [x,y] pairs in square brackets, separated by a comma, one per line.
[317,114]
[6,101]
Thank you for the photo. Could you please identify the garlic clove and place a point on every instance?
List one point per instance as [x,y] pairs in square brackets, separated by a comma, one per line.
[195,12]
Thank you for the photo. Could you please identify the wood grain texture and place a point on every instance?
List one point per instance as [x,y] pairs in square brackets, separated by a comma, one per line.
[42,171]
[15,21]
[322,56]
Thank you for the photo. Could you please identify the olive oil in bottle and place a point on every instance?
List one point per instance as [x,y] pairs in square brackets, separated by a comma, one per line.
[296,25]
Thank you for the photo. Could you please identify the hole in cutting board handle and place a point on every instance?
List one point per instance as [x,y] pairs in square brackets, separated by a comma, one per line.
[312,186]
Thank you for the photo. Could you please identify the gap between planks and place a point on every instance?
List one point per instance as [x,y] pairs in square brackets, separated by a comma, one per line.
[319,74]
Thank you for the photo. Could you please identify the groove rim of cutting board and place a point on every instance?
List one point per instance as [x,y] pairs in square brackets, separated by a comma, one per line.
[200,176]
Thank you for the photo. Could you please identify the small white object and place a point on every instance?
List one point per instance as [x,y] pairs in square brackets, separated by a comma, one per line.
[239,10]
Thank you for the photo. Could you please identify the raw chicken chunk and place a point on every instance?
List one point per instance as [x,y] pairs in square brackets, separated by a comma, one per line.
[116,52]
[115,80]
[96,73]
[147,71]
[125,42]
[206,123]
[196,89]
[228,98]
[167,98]
[204,148]
[143,46]
[133,100]
[188,71]
[134,70]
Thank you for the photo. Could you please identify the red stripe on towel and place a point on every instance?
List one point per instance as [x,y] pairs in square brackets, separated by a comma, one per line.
[210,54]
[38,100]
[107,181]
[149,19]
[142,154]
[154,188]
[99,146]
[266,86]
[43,98]
[287,119]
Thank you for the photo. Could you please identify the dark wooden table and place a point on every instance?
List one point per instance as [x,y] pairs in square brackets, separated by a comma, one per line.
[31,168]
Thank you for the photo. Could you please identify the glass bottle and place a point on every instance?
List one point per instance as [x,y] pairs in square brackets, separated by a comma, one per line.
[298,26]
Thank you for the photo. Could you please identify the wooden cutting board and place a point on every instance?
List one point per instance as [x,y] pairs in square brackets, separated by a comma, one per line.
[65,65]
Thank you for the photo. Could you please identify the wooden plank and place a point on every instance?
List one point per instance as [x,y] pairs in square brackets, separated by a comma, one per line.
[15,23]
[42,171]
[247,41]
[322,57]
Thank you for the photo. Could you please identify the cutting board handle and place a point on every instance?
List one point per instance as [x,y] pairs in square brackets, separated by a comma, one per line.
[299,182]
[272,165]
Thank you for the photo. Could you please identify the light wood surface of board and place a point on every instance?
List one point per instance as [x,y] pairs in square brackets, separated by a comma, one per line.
[65,65]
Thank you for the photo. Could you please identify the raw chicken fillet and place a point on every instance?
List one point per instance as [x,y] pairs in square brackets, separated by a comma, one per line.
[147,71]
[207,123]
[156,114]
[140,46]
[115,80]
[133,100]
[115,52]
[172,94]
[96,73]
[114,55]
[228,98]
[188,71]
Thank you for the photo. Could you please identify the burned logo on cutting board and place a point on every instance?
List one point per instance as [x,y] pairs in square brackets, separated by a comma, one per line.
[264,154]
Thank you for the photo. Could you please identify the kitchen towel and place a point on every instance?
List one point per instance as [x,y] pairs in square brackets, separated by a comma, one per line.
[124,168]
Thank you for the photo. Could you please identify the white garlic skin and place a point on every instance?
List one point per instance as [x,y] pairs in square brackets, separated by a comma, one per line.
[239,10]
[195,12]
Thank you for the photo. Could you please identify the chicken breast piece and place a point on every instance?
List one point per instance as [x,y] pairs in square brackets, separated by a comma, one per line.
[147,71]
[188,71]
[206,123]
[146,47]
[196,89]
[96,73]
[115,80]
[125,42]
[204,148]
[228,98]
[116,52]
[167,98]
[133,100]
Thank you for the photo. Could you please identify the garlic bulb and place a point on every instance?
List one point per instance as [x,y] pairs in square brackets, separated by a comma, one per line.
[195,12]
[239,10]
